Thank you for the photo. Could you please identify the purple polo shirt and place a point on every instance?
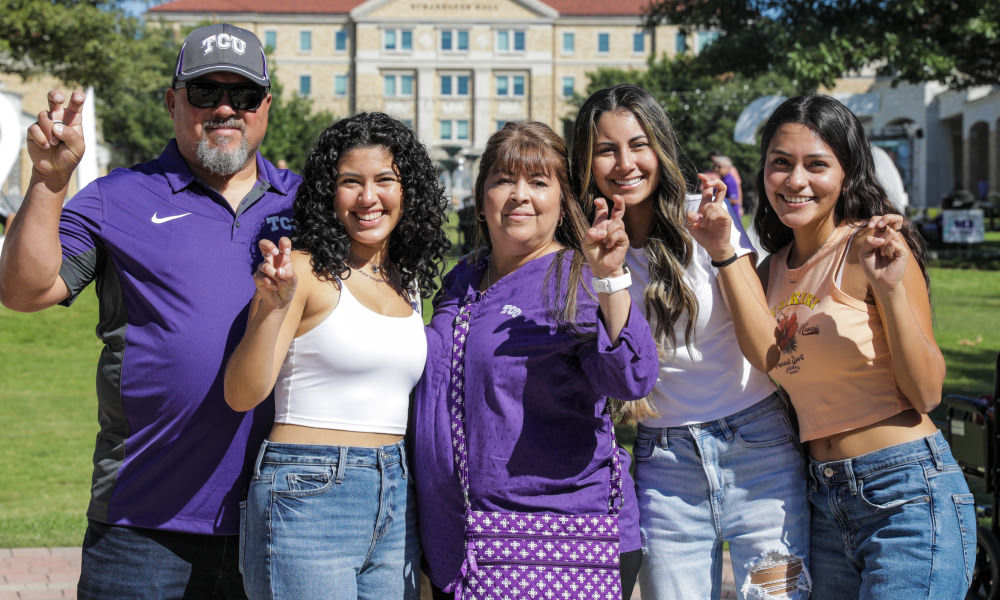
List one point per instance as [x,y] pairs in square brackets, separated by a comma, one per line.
[732,188]
[537,435]
[173,267]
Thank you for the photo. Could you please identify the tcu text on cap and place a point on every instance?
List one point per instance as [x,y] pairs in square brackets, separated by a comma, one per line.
[224,41]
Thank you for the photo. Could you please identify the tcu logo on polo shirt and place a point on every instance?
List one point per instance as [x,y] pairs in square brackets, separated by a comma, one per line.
[223,41]
[280,223]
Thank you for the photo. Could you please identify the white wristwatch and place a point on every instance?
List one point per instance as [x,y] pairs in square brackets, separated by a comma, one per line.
[610,285]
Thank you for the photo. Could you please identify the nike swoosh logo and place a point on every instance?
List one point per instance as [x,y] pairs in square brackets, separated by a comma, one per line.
[159,220]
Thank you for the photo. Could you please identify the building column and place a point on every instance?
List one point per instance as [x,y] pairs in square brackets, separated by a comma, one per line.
[482,105]
[424,109]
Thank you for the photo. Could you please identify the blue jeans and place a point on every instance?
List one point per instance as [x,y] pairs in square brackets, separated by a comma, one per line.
[895,523]
[128,562]
[739,479]
[330,522]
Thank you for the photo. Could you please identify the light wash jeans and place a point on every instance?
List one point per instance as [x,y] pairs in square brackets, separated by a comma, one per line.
[740,479]
[895,523]
[331,523]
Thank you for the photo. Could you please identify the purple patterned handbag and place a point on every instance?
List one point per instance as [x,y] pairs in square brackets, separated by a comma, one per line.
[518,555]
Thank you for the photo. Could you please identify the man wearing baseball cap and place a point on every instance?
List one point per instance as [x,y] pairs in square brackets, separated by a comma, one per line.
[172,245]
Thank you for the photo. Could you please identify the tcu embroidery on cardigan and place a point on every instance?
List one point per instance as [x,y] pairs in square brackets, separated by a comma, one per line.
[510,309]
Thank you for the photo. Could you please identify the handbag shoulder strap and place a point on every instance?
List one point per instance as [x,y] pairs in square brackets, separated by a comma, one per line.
[456,411]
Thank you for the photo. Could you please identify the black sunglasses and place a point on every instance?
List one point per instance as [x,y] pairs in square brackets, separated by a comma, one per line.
[202,93]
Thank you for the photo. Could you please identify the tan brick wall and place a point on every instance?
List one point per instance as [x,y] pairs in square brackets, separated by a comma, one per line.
[543,63]
[453,10]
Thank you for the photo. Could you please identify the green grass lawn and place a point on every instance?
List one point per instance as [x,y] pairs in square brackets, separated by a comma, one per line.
[967,327]
[49,411]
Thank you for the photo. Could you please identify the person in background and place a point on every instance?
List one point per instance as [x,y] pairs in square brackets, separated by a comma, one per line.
[171,245]
[843,323]
[717,458]
[551,336]
[734,171]
[724,169]
[335,330]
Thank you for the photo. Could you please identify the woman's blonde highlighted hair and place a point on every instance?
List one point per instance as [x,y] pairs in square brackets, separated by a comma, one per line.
[668,247]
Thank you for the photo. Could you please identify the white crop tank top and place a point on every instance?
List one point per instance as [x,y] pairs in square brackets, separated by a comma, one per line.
[354,371]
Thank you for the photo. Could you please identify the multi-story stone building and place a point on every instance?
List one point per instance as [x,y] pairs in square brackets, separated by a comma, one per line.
[455,70]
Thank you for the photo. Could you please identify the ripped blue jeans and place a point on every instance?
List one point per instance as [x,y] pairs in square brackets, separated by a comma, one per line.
[740,479]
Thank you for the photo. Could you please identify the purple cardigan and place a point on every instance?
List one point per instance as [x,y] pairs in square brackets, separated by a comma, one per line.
[538,437]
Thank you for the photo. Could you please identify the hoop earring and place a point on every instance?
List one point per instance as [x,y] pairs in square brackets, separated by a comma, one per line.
[481,217]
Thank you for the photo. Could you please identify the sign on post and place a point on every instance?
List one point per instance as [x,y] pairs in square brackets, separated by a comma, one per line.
[962,226]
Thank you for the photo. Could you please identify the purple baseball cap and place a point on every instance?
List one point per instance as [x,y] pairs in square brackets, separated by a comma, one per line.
[222,47]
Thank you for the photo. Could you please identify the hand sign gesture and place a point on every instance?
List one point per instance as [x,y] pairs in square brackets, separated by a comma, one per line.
[275,276]
[882,251]
[710,225]
[55,140]
[606,242]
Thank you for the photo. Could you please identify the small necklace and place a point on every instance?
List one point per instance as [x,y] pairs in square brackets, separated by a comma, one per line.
[380,271]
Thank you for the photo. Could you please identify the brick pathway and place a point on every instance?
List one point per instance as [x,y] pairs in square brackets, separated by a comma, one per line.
[51,574]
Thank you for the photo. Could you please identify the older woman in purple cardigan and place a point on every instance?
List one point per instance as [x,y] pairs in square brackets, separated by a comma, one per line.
[552,335]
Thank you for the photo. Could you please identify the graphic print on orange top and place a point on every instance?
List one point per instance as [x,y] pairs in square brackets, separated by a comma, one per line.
[787,328]
[834,360]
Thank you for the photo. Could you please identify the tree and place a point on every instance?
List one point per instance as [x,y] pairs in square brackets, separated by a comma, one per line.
[132,107]
[130,65]
[816,41]
[292,127]
[75,41]
[702,108]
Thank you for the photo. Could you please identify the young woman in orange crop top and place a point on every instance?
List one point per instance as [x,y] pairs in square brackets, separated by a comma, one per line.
[333,328]
[854,347]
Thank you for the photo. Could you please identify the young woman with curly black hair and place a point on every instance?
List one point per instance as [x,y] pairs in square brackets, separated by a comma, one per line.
[335,329]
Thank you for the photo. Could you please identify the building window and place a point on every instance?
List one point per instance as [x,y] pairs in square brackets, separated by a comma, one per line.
[454,40]
[569,42]
[271,40]
[305,85]
[340,85]
[340,40]
[603,43]
[510,40]
[454,85]
[398,85]
[705,38]
[510,85]
[639,42]
[454,129]
[398,40]
[305,41]
[567,87]
[681,43]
